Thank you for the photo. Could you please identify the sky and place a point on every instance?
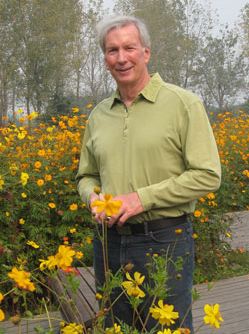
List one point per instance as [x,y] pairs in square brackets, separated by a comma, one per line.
[228,10]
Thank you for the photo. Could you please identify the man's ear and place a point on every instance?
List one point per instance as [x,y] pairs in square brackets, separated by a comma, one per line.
[146,55]
[106,65]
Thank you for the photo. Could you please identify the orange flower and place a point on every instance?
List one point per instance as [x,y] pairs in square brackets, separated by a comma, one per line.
[73,207]
[48,177]
[178,231]
[41,153]
[197,213]
[40,182]
[38,164]
[52,205]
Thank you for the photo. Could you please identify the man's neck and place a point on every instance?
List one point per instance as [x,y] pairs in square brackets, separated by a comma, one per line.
[128,93]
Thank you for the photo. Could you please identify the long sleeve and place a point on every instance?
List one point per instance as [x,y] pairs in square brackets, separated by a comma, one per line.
[88,174]
[201,159]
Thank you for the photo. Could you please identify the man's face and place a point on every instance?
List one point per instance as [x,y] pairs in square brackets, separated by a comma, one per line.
[125,57]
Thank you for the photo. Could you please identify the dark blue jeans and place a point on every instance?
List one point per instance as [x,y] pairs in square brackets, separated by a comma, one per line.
[123,249]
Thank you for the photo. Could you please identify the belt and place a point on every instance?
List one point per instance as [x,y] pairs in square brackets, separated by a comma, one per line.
[152,225]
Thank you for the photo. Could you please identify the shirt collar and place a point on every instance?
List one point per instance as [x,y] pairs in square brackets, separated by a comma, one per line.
[149,92]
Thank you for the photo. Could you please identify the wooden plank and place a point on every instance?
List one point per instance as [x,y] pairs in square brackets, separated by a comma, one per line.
[233,296]
[28,327]
[86,305]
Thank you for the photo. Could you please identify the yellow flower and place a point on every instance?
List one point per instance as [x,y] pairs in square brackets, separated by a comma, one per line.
[23,195]
[1,182]
[1,297]
[212,315]
[7,213]
[64,257]
[195,236]
[72,230]
[75,110]
[21,221]
[73,207]
[50,263]
[168,331]
[164,313]
[38,164]
[2,315]
[21,135]
[24,178]
[89,105]
[52,205]
[40,182]
[114,330]
[132,285]
[22,278]
[33,244]
[98,296]
[79,255]
[89,240]
[72,329]
[111,207]
[34,114]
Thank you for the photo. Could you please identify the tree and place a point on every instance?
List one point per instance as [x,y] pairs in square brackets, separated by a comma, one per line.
[92,79]
[177,29]
[221,69]
[8,64]
[245,28]
[44,31]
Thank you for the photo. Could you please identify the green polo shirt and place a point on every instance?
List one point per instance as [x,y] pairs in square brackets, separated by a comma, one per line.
[162,147]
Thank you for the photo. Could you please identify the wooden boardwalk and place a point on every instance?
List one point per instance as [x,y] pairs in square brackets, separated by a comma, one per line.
[233,296]
[28,327]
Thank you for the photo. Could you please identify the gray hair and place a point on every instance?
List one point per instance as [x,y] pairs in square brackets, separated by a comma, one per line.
[116,22]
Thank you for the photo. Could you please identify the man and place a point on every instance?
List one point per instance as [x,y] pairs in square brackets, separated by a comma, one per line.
[151,146]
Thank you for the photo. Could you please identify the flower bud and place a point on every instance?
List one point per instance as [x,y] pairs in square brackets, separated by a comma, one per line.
[15,319]
[97,190]
[128,266]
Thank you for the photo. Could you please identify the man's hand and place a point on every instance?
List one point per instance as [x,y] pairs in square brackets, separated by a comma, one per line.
[131,206]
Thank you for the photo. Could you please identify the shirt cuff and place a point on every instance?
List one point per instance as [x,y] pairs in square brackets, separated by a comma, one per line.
[145,199]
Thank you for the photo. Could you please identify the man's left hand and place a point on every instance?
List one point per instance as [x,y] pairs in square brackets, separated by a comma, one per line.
[131,206]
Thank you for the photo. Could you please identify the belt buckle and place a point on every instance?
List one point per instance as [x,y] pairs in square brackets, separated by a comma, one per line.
[123,230]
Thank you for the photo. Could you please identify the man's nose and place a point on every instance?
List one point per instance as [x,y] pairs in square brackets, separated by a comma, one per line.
[121,56]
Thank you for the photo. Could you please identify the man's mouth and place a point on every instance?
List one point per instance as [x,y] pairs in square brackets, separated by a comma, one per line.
[123,70]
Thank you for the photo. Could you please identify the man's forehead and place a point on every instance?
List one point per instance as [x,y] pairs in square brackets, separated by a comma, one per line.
[120,28]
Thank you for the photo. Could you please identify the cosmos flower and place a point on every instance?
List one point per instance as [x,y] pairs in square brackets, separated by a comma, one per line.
[110,207]
[132,285]
[212,316]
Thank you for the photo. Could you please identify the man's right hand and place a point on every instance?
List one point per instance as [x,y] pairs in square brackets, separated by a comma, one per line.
[98,217]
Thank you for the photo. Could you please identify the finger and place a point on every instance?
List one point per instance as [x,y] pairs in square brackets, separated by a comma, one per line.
[122,219]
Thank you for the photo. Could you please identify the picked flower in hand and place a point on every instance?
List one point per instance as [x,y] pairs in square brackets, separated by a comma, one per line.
[110,207]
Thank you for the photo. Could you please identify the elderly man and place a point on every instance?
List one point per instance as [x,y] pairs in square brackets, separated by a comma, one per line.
[151,146]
